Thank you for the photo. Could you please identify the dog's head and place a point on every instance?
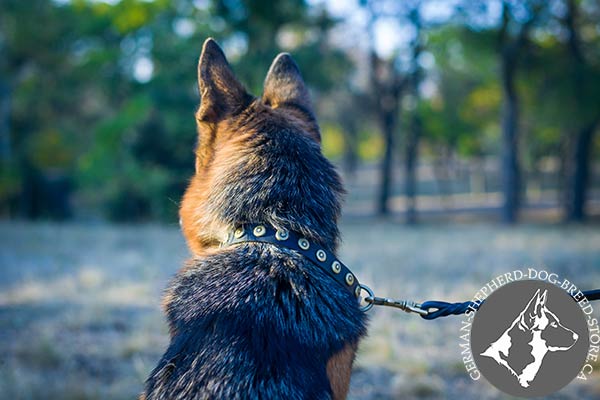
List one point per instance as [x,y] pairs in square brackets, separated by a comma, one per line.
[257,159]
[538,317]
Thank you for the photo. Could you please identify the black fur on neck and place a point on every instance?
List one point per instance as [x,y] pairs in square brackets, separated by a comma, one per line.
[283,180]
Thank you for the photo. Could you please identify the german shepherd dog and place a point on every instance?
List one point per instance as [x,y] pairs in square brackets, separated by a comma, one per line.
[255,320]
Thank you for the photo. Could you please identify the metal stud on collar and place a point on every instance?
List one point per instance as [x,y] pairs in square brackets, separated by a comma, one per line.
[281,237]
[259,231]
[321,255]
[239,232]
[336,267]
[303,244]
[282,234]
[349,279]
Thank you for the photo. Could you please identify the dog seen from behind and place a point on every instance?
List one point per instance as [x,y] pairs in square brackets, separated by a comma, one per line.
[255,320]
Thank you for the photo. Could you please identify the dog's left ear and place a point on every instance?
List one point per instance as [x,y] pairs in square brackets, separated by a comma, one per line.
[284,84]
[222,95]
[533,309]
[537,303]
[541,302]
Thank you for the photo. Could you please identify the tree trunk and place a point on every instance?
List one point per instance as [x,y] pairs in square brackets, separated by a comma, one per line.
[414,134]
[578,164]
[388,126]
[509,155]
[412,147]
[510,49]
[386,94]
[385,83]
[5,145]
[579,178]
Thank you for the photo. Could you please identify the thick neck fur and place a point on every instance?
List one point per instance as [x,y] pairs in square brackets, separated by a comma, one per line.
[265,167]
[538,351]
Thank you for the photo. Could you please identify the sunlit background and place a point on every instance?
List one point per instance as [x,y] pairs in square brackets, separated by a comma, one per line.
[465,131]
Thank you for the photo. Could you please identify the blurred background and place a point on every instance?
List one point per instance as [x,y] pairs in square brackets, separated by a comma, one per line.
[465,130]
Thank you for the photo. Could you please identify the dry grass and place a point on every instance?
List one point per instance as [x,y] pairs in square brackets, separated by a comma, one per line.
[80,316]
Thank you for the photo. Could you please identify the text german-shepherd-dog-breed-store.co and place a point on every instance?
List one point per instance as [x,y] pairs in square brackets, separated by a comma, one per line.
[251,319]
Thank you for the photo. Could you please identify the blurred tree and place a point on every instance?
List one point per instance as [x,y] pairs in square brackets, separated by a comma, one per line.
[386,85]
[341,108]
[584,70]
[102,94]
[35,80]
[97,98]
[512,34]
[416,124]
[512,40]
[460,119]
[253,32]
[563,76]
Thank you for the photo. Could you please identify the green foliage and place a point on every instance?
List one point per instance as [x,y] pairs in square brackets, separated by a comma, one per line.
[463,114]
[370,147]
[102,94]
[105,93]
[332,140]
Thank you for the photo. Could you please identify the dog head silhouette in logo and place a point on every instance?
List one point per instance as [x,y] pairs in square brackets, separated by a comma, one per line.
[532,335]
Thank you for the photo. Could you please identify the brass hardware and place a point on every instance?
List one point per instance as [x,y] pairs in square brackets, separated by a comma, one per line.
[303,244]
[336,267]
[321,255]
[239,232]
[282,234]
[259,231]
[349,279]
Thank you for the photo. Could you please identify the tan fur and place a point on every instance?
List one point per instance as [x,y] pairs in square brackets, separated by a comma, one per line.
[228,125]
[339,369]
[224,144]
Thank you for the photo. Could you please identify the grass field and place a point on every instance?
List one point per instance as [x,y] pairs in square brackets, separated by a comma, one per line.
[80,310]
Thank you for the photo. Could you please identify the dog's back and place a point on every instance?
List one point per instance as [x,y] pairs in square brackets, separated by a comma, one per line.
[255,320]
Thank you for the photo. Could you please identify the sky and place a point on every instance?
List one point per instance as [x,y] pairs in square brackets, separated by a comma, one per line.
[390,34]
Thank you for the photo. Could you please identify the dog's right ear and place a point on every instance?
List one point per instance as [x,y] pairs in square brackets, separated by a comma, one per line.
[284,84]
[222,95]
[284,87]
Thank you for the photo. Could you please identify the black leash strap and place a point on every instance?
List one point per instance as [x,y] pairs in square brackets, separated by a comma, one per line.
[436,309]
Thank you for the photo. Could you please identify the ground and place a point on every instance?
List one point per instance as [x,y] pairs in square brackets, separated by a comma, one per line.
[80,310]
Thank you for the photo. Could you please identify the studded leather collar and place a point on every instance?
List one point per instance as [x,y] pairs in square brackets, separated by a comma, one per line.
[282,238]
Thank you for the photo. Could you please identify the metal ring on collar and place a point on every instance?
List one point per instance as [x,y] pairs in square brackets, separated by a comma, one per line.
[371,295]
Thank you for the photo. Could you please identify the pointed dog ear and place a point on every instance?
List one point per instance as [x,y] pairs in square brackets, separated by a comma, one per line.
[540,302]
[530,310]
[535,306]
[284,84]
[222,95]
